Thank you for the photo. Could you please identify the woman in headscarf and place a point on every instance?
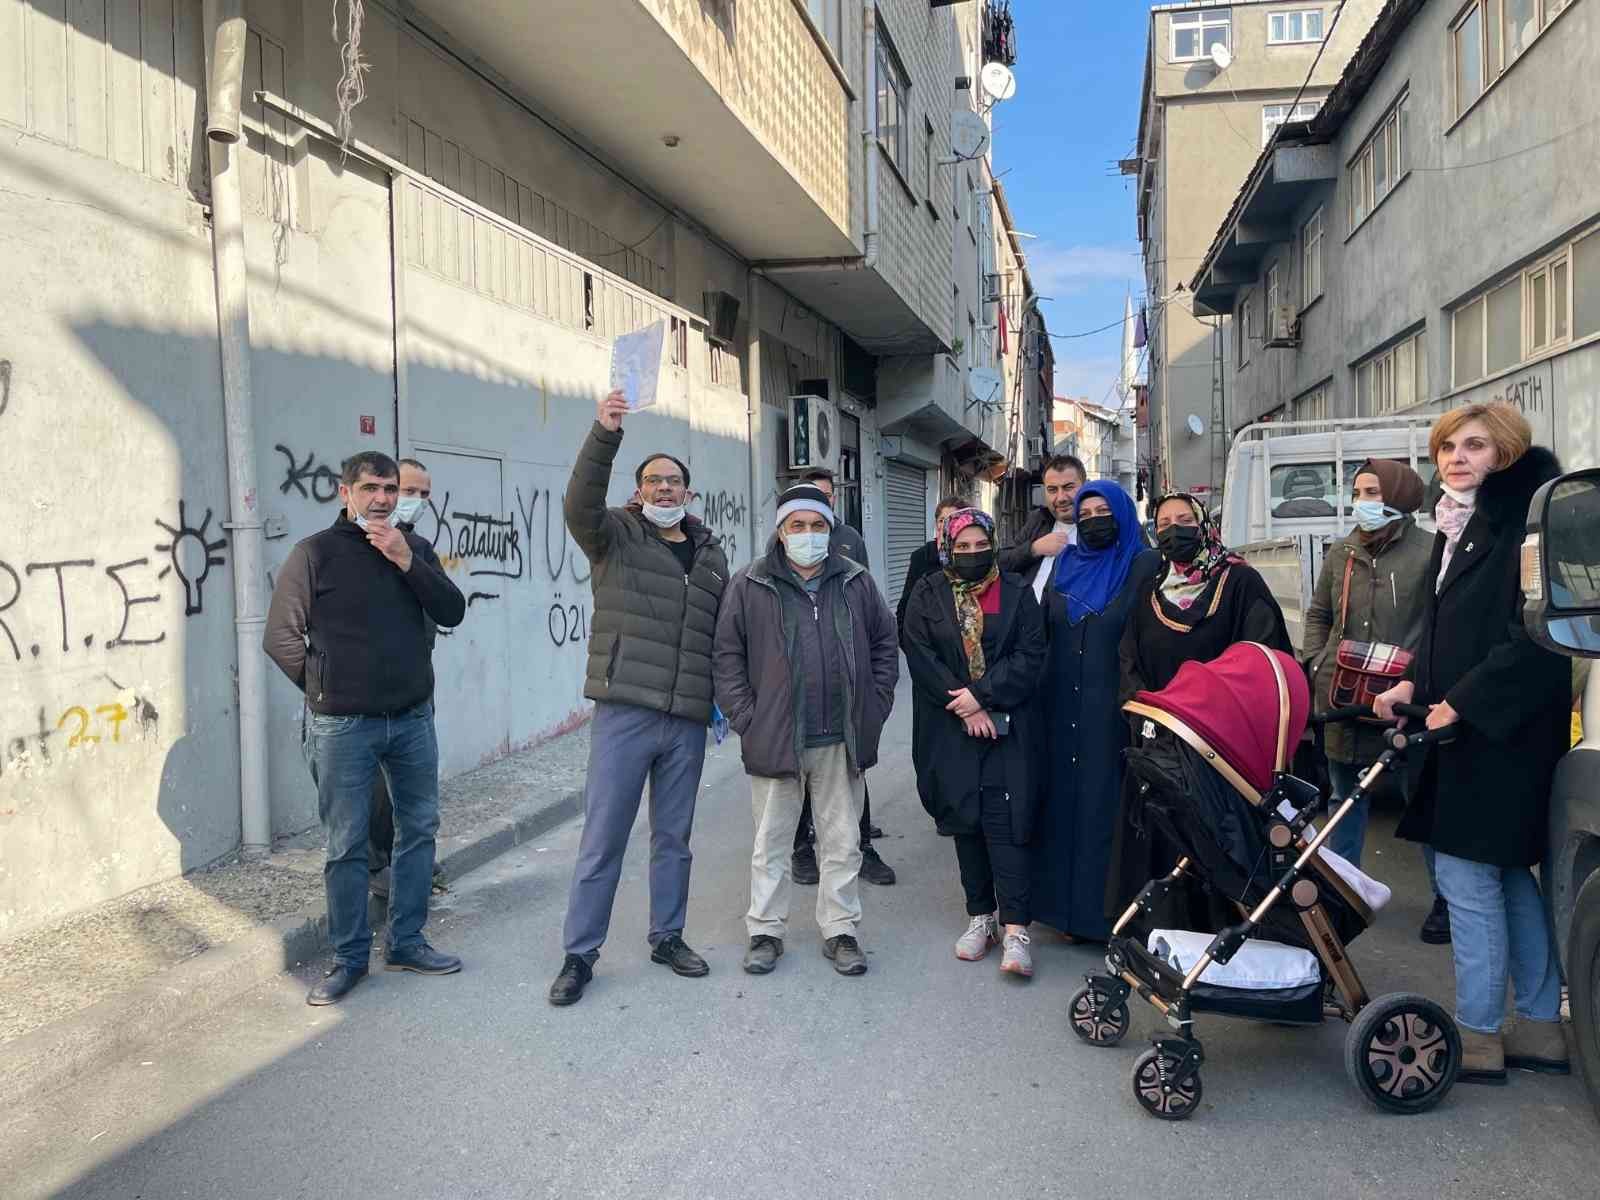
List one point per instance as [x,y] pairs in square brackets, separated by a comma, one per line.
[1091,593]
[974,642]
[1199,602]
[1370,592]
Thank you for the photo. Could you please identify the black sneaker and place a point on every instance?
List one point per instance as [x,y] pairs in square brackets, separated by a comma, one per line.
[672,951]
[804,866]
[763,955]
[846,954]
[575,976]
[1436,926]
[874,869]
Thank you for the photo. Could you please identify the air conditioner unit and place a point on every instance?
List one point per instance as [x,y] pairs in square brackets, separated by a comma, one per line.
[994,288]
[813,433]
[1036,447]
[722,312]
[1285,330]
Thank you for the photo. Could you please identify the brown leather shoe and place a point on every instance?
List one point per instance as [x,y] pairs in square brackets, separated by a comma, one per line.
[1483,1058]
[1537,1046]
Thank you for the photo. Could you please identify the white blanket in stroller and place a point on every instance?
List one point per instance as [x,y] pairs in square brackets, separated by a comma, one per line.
[1369,889]
[1258,966]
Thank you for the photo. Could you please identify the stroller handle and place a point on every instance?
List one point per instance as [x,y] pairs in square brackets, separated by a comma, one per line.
[1417,712]
[1353,712]
[1401,741]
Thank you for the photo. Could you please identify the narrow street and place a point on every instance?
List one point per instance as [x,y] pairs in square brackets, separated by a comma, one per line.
[927,1077]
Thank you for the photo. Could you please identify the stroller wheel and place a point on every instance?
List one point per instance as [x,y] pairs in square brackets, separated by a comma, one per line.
[1106,1030]
[1403,1053]
[1160,1099]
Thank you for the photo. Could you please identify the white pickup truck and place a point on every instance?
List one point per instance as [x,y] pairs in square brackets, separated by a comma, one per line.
[1287,495]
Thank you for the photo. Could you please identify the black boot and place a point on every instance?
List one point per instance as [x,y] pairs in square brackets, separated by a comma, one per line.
[874,869]
[335,985]
[1436,926]
[804,866]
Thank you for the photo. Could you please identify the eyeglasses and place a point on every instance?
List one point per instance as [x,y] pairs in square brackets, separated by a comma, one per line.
[671,481]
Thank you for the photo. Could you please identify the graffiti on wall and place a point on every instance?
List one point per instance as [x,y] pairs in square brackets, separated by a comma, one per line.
[314,481]
[726,514]
[66,587]
[77,726]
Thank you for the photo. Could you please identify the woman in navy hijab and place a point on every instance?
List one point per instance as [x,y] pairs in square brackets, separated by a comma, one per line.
[1087,602]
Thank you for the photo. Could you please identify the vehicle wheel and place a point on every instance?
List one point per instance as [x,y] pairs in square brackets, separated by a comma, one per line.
[1164,1101]
[1583,979]
[1403,1052]
[1110,1029]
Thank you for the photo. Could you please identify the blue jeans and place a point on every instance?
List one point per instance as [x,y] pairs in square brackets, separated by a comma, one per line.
[345,754]
[1498,929]
[1350,835]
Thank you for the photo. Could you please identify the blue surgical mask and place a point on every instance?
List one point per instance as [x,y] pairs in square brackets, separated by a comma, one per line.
[806,549]
[1373,515]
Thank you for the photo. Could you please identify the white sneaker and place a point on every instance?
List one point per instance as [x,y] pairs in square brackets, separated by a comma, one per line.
[1017,959]
[980,935]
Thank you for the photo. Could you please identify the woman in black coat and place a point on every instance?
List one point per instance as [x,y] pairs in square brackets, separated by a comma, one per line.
[974,642]
[1482,800]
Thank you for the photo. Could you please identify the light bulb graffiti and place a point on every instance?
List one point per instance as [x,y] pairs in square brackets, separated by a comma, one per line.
[193,556]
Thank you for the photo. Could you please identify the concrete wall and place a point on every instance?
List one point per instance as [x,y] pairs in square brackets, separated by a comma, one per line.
[387,313]
[1450,228]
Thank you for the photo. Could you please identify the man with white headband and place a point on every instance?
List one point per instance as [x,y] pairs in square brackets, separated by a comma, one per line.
[806,661]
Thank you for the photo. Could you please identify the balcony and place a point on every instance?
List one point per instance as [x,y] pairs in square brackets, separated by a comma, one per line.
[732,111]
[925,396]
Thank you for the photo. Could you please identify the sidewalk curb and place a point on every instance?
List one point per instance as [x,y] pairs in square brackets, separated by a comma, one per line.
[55,1054]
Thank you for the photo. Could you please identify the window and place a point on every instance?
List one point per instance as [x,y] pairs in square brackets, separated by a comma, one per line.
[972,341]
[894,118]
[1313,406]
[1311,259]
[1274,298]
[1393,380]
[1241,331]
[1284,28]
[1488,37]
[1541,308]
[1466,37]
[1196,34]
[1274,115]
[679,340]
[927,165]
[825,16]
[972,206]
[1380,164]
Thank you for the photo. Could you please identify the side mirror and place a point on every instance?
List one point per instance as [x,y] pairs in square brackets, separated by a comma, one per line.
[1561,565]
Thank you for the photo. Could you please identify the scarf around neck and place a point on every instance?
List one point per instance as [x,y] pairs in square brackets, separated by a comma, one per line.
[1452,516]
[968,596]
[1182,585]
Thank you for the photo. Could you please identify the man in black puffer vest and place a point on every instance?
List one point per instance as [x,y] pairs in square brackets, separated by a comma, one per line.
[658,577]
[349,626]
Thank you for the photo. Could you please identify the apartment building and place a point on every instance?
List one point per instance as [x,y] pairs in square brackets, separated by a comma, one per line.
[438,269]
[1432,237]
[1202,125]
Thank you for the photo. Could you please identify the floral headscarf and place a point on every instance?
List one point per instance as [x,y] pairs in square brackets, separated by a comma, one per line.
[1182,585]
[969,610]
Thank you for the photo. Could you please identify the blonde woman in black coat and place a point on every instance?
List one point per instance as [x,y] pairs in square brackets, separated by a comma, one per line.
[1482,800]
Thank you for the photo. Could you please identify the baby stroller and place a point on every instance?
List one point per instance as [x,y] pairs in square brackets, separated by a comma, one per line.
[1210,767]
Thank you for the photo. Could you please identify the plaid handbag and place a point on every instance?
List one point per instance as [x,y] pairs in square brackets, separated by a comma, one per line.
[1362,671]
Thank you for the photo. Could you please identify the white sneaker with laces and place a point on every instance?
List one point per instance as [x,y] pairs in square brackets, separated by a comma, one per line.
[980,935]
[1016,958]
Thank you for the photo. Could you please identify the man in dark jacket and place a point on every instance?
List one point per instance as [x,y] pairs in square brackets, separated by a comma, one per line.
[658,577]
[806,664]
[1050,529]
[925,558]
[348,626]
[847,541]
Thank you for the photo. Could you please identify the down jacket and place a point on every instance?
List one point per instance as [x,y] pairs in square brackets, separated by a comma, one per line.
[651,637]
[757,646]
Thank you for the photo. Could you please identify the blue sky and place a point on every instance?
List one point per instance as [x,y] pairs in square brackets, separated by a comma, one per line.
[1080,65]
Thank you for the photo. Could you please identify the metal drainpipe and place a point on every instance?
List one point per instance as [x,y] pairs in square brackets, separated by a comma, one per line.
[225,36]
[869,133]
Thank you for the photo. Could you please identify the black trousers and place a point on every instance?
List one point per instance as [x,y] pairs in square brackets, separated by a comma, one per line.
[805,833]
[995,871]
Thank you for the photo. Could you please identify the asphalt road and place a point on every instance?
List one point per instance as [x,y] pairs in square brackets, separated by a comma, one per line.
[927,1077]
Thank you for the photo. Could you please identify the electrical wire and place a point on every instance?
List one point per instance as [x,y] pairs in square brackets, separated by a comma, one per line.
[1510,154]
[1315,62]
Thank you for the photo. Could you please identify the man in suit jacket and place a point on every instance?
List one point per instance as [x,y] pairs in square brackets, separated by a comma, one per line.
[925,559]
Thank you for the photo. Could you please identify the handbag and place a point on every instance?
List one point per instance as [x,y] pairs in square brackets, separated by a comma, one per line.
[1362,671]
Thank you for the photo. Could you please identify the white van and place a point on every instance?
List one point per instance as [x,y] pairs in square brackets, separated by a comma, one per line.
[1287,496]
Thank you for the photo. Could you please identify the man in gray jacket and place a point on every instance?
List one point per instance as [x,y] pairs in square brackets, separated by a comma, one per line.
[658,577]
[806,664]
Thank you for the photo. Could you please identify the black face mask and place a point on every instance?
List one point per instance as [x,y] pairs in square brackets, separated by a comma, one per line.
[974,566]
[1098,533]
[1179,543]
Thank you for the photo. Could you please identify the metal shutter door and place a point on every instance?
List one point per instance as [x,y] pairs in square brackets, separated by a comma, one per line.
[906,508]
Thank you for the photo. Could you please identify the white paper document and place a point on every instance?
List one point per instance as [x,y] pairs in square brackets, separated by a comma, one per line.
[636,364]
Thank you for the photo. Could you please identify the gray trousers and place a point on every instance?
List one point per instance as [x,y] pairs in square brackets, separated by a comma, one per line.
[627,746]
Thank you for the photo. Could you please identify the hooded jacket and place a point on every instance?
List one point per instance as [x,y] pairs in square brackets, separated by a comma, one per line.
[650,640]
[1485,796]
[757,645]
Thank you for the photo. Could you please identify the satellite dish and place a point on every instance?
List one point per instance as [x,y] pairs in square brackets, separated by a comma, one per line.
[1196,425]
[985,384]
[998,81]
[1221,57]
[969,134]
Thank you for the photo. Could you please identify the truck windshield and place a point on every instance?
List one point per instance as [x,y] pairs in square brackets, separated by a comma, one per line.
[1312,489]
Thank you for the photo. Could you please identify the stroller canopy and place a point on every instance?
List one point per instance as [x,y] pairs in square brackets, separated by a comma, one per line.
[1250,704]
